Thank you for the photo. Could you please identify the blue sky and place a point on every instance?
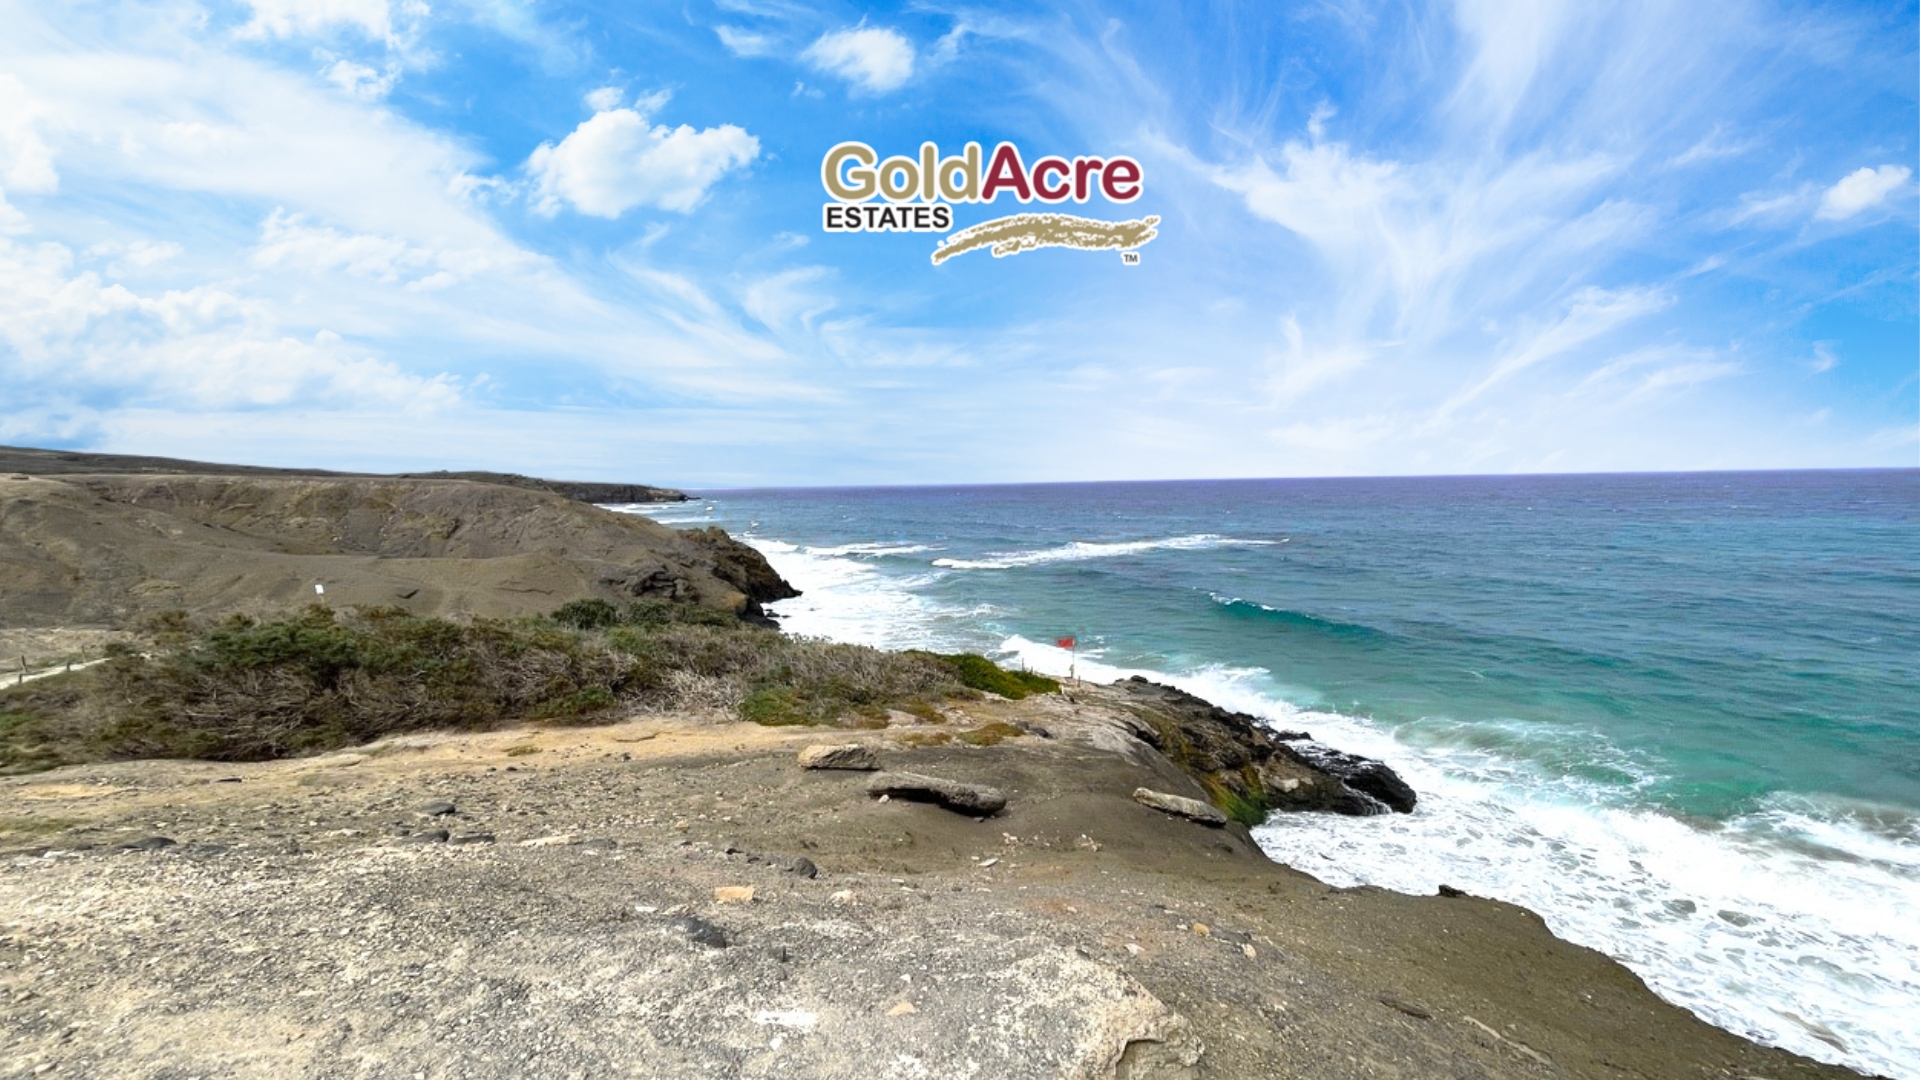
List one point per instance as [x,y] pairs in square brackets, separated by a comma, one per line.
[584,239]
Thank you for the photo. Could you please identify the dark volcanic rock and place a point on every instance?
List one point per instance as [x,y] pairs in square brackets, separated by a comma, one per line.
[1237,758]
[431,836]
[1365,775]
[701,932]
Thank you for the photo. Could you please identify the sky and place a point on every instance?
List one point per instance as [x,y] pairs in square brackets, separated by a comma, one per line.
[585,240]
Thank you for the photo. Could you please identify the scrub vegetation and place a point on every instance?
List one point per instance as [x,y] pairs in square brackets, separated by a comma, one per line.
[241,689]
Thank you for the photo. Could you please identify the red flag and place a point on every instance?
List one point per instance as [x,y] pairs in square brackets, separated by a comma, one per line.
[1065,643]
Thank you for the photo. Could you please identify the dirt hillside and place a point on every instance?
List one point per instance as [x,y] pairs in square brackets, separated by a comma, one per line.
[102,549]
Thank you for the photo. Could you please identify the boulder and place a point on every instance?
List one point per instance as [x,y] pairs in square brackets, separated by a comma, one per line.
[1364,775]
[962,798]
[1180,806]
[848,756]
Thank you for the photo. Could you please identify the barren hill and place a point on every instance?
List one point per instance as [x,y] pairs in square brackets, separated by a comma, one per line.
[36,462]
[100,548]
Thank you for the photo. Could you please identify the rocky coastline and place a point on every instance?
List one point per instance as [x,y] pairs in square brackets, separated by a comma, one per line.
[1028,882]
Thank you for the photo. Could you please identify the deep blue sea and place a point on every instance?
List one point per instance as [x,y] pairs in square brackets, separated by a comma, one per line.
[1676,715]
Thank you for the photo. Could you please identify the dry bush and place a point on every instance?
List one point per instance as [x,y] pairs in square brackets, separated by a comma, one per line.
[244,690]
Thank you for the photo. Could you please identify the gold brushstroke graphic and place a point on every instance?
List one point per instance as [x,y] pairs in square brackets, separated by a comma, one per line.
[1025,232]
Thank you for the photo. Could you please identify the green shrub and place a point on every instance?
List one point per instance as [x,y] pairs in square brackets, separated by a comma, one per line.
[587,614]
[979,673]
[25,743]
[655,614]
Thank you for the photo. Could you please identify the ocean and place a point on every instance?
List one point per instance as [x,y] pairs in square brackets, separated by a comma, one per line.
[1676,715]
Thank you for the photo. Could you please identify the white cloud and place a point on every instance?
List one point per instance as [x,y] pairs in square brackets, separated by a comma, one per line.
[288,242]
[744,42]
[26,164]
[198,348]
[874,59]
[361,81]
[605,98]
[614,162]
[1823,359]
[134,256]
[12,221]
[1862,189]
[286,18]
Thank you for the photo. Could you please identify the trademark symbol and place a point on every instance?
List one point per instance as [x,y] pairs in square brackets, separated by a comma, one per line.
[1130,258]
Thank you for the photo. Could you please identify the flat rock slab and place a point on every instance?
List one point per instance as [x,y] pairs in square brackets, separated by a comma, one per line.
[952,794]
[848,756]
[1180,806]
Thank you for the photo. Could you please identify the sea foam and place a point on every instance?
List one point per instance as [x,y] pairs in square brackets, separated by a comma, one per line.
[1081,550]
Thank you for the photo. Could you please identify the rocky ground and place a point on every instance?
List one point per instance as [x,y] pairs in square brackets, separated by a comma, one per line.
[676,896]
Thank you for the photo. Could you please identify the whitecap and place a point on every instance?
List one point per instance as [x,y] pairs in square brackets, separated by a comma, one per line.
[1080,550]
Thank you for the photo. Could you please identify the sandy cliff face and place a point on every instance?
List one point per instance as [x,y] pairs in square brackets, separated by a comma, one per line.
[104,549]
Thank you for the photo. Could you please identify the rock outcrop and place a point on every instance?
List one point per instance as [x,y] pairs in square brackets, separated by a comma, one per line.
[742,567]
[1248,769]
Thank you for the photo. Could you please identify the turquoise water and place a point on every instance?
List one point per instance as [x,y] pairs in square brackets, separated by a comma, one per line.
[1678,715]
